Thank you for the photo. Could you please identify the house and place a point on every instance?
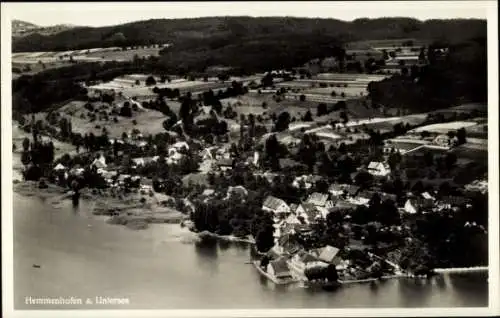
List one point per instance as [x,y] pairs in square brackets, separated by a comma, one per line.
[301,181]
[99,162]
[337,189]
[378,169]
[329,254]
[442,140]
[427,196]
[208,153]
[225,164]
[318,199]
[59,167]
[279,269]
[287,242]
[180,145]
[414,205]
[403,146]
[275,205]
[302,261]
[453,202]
[359,200]
[352,190]
[76,171]
[308,212]
[238,191]
[478,185]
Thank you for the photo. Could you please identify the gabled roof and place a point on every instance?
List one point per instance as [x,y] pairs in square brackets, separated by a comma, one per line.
[273,203]
[59,167]
[352,189]
[318,199]
[328,254]
[238,189]
[421,202]
[336,187]
[280,266]
[310,210]
[454,200]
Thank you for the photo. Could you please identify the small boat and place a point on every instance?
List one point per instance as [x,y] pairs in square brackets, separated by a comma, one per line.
[36,266]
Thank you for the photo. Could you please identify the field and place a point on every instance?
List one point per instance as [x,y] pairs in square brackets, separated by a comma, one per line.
[327,91]
[148,121]
[443,128]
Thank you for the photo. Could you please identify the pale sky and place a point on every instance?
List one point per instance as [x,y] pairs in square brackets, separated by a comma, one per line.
[112,13]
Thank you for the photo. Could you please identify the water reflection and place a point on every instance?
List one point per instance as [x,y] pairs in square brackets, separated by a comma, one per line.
[440,282]
[224,245]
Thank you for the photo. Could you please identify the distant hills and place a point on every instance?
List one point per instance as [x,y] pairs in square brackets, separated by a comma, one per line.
[217,33]
[23,28]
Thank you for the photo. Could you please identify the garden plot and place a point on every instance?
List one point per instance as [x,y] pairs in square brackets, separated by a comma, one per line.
[443,128]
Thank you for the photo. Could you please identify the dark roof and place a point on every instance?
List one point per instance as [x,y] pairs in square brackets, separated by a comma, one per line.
[288,163]
[280,266]
[310,210]
[225,162]
[419,202]
[272,202]
[454,200]
[352,189]
[317,198]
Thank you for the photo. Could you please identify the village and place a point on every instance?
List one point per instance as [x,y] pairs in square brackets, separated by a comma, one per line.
[328,187]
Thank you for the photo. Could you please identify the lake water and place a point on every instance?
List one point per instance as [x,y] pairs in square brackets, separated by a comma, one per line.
[165,267]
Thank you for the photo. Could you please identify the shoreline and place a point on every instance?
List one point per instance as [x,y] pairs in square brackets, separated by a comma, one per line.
[230,238]
[30,189]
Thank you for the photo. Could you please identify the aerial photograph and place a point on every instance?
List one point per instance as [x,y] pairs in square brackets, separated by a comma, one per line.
[193,156]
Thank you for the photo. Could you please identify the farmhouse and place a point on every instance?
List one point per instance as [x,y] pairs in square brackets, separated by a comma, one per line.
[308,212]
[275,205]
[318,199]
[378,169]
[415,205]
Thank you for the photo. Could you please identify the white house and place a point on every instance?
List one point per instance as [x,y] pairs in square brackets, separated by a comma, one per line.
[337,189]
[320,199]
[442,141]
[275,205]
[99,162]
[413,205]
[59,167]
[379,169]
[180,145]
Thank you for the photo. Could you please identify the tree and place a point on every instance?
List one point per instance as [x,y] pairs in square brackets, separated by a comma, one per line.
[150,81]
[307,116]
[461,136]
[322,109]
[450,160]
[264,239]
[282,122]
[26,144]
[137,82]
[345,117]
[302,98]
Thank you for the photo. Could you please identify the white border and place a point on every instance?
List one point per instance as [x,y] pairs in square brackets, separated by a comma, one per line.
[494,270]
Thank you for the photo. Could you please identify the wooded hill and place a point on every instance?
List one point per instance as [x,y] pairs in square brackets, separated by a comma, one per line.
[246,30]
